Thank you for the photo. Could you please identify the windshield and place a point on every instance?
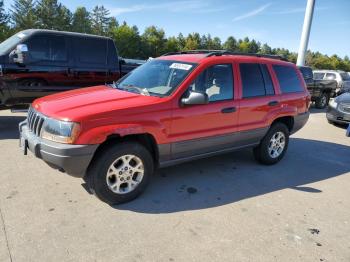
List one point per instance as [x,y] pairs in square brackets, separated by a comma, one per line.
[10,43]
[156,77]
[345,76]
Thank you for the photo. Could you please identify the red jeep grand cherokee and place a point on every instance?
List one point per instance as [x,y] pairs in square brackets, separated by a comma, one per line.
[176,108]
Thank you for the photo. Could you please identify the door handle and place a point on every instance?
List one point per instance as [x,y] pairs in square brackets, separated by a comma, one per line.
[228,110]
[273,103]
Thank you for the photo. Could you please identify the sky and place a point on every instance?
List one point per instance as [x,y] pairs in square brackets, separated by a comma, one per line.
[278,23]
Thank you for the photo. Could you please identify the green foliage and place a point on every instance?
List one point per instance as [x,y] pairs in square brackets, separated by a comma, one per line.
[153,42]
[23,14]
[128,41]
[100,20]
[81,21]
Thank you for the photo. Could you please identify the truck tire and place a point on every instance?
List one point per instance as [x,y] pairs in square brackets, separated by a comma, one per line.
[120,173]
[273,146]
[322,101]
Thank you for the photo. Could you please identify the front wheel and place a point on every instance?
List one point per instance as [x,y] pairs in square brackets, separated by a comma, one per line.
[273,146]
[121,173]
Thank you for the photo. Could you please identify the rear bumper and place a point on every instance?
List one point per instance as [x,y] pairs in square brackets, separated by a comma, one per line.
[299,121]
[333,115]
[72,159]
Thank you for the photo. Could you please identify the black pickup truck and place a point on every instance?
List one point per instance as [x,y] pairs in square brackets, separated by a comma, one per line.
[320,90]
[36,63]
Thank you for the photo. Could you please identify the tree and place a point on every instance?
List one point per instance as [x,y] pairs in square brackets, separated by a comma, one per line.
[81,21]
[266,49]
[64,18]
[53,15]
[193,42]
[100,20]
[231,44]
[172,45]
[4,19]
[23,14]
[128,41]
[154,41]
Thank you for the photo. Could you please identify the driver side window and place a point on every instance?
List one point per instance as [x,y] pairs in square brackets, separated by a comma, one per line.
[216,81]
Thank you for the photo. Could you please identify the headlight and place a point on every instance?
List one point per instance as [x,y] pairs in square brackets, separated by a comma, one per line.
[333,103]
[60,131]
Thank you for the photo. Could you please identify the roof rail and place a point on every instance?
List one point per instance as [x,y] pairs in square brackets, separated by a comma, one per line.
[210,53]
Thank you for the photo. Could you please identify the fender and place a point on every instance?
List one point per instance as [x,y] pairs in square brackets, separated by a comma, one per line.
[281,112]
[98,135]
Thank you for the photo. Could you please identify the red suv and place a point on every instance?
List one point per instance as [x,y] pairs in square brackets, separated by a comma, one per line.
[176,108]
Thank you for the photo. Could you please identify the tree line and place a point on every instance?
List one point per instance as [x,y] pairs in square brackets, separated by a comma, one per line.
[153,42]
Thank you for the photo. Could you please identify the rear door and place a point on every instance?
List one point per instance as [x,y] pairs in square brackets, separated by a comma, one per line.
[200,129]
[258,101]
[91,61]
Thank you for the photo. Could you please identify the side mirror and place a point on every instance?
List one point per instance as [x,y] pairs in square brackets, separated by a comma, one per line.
[19,54]
[195,98]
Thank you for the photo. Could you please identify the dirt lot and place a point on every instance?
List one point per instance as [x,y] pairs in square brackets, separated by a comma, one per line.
[225,208]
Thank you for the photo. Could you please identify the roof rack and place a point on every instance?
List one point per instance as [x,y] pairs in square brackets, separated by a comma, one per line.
[210,53]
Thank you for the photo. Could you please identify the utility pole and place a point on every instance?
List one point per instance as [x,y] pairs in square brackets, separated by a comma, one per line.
[306,32]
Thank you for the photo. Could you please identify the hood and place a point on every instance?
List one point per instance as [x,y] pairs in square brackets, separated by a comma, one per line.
[344,98]
[346,84]
[76,104]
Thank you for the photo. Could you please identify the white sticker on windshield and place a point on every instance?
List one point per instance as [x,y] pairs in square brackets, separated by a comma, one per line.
[181,66]
[21,35]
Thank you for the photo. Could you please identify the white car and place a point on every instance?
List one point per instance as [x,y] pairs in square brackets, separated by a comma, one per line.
[342,78]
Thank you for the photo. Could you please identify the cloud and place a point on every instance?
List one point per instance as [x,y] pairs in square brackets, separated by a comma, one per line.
[194,6]
[298,10]
[252,13]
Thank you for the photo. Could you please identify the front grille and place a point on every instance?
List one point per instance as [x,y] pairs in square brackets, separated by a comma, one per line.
[35,121]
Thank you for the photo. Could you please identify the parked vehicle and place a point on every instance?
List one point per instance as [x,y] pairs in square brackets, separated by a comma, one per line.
[321,90]
[176,108]
[342,78]
[339,110]
[36,63]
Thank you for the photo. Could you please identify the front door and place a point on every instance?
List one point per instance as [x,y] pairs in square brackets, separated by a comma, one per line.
[200,129]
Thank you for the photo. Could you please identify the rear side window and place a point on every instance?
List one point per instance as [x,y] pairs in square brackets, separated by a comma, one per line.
[318,76]
[288,79]
[92,51]
[331,76]
[47,48]
[256,80]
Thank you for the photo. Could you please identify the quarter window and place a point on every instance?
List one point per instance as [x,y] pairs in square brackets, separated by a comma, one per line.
[216,81]
[256,80]
[93,51]
[288,79]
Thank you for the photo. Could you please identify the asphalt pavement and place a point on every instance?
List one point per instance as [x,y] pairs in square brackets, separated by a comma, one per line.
[224,208]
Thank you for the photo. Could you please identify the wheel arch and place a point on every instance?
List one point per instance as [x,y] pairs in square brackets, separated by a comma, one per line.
[287,120]
[145,139]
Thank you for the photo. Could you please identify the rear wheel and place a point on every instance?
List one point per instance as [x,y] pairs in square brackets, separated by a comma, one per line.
[322,101]
[273,146]
[120,173]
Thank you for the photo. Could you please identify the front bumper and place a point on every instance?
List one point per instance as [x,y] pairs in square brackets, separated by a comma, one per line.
[72,159]
[334,115]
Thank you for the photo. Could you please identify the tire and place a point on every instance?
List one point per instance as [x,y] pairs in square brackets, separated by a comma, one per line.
[115,185]
[262,153]
[322,101]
